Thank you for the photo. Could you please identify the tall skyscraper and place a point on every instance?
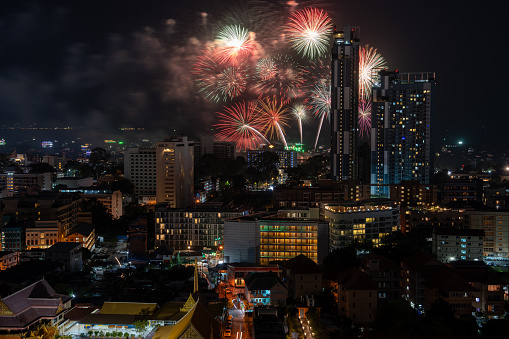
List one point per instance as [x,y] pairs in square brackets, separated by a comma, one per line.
[344,104]
[403,107]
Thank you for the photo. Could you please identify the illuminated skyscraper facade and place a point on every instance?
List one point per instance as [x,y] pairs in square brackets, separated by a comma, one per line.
[403,106]
[344,104]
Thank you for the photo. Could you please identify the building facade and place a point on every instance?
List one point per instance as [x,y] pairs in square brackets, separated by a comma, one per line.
[175,172]
[362,221]
[403,107]
[344,104]
[140,169]
[196,227]
[264,237]
[450,244]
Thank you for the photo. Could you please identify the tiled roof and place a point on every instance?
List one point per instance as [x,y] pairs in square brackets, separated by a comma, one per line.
[262,281]
[28,305]
[301,264]
[354,279]
[385,264]
[126,308]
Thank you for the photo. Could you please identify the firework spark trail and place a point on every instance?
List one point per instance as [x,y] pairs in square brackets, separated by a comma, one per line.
[242,124]
[370,63]
[364,117]
[317,71]
[299,112]
[320,103]
[310,30]
[234,44]
[274,113]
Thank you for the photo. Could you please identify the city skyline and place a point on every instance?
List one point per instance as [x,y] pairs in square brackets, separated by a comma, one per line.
[121,64]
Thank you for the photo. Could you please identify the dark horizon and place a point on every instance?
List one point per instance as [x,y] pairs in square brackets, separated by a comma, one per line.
[117,64]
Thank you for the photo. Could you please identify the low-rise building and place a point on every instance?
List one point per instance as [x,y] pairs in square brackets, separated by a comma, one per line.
[32,305]
[303,277]
[265,289]
[66,253]
[448,286]
[357,296]
[386,273]
[43,235]
[450,244]
[8,259]
[489,297]
[83,233]
[236,273]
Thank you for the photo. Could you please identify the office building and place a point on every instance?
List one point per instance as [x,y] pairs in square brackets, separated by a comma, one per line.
[403,107]
[344,104]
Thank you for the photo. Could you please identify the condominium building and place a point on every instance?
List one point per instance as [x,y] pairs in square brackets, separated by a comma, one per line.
[175,172]
[13,181]
[265,237]
[344,104]
[450,244]
[164,173]
[47,206]
[198,226]
[495,225]
[359,221]
[403,106]
[140,169]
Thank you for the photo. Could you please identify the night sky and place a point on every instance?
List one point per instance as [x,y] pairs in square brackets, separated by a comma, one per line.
[126,63]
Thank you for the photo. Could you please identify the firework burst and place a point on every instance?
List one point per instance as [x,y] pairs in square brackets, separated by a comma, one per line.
[370,63]
[310,30]
[234,44]
[364,117]
[232,82]
[242,124]
[274,113]
[279,75]
[300,114]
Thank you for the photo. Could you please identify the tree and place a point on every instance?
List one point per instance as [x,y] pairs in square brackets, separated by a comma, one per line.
[140,326]
[41,167]
[317,167]
[263,168]
[98,156]
[124,185]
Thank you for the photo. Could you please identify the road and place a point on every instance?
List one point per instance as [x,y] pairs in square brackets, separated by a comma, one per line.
[306,328]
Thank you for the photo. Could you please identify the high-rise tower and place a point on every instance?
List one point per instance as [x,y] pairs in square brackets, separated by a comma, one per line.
[344,104]
[403,107]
